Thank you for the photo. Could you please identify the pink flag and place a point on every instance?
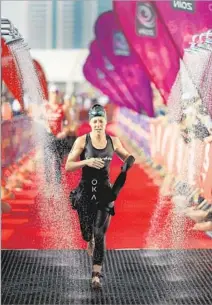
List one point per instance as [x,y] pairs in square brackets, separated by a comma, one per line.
[148,36]
[108,69]
[183,19]
[125,62]
[99,80]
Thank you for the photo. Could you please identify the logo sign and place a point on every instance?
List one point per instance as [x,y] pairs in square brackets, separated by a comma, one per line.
[100,74]
[108,64]
[120,45]
[145,19]
[184,5]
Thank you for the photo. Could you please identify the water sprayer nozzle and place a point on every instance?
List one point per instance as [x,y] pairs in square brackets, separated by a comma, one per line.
[9,32]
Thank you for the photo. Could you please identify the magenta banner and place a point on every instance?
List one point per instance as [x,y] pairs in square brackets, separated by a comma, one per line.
[148,36]
[184,19]
[108,69]
[124,61]
[99,80]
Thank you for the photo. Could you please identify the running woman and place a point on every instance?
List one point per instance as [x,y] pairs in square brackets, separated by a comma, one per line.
[93,198]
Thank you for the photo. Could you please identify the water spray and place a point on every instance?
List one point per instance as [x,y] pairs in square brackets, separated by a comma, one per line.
[59,217]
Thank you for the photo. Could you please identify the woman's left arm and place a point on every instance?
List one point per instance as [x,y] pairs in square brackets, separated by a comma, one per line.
[119,149]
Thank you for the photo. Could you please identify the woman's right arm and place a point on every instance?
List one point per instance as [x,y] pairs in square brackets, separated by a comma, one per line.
[72,164]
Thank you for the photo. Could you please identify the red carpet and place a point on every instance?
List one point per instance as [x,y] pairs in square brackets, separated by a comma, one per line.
[36,223]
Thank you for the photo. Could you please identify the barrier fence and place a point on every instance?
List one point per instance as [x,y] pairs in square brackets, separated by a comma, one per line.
[164,147]
[17,139]
[164,144]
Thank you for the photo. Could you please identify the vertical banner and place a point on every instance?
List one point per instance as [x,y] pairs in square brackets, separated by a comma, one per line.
[42,78]
[99,80]
[148,36]
[10,73]
[184,19]
[125,61]
[103,63]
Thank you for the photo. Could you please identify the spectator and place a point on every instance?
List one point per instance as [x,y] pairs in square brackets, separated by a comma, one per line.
[16,108]
[6,109]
